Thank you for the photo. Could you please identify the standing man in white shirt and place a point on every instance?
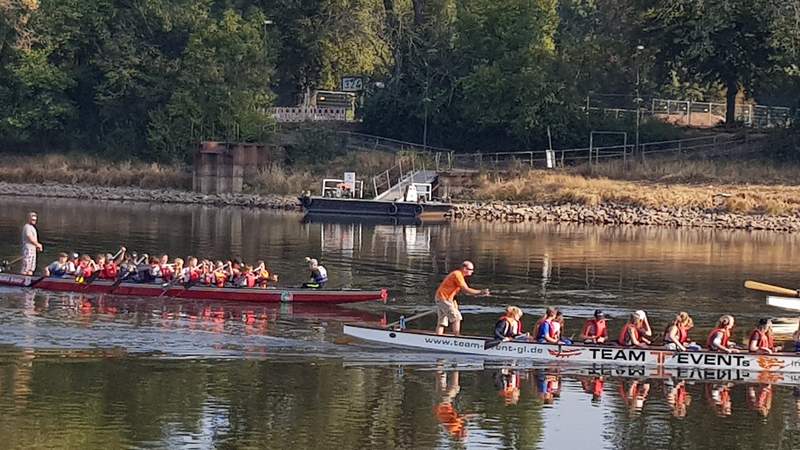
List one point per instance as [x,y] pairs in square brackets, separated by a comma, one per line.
[30,244]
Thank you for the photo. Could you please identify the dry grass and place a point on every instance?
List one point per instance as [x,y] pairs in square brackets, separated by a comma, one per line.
[558,188]
[695,172]
[87,170]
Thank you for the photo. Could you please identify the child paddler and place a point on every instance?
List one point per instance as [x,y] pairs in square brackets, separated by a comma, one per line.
[509,326]
[761,339]
[719,338]
[57,268]
[319,275]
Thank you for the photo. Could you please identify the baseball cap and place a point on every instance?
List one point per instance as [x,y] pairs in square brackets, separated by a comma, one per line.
[599,314]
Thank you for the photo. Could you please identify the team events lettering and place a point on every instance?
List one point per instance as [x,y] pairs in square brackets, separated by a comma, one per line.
[688,358]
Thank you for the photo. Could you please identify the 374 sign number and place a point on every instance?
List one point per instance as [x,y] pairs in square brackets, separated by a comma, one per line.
[352,84]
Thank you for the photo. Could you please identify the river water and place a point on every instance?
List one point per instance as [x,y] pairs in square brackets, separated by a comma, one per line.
[83,371]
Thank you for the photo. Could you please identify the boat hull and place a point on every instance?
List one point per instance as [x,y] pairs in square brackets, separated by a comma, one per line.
[790,303]
[374,208]
[580,354]
[271,295]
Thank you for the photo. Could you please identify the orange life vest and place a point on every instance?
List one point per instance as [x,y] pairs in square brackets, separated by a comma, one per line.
[623,336]
[725,336]
[762,338]
[594,328]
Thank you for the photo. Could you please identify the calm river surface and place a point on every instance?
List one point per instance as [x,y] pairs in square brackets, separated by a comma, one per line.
[80,371]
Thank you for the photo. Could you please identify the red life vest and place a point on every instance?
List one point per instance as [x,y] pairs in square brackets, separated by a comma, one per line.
[683,335]
[86,269]
[538,327]
[623,336]
[194,274]
[762,338]
[166,273]
[109,271]
[251,279]
[725,335]
[594,328]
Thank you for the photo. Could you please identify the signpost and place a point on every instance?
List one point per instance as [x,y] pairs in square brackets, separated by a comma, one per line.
[352,84]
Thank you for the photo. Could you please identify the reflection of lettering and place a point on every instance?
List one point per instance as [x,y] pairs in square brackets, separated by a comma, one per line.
[713,374]
[711,359]
[609,354]
[598,370]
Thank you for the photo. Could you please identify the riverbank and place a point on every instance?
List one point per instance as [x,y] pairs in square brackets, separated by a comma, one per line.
[617,214]
[132,194]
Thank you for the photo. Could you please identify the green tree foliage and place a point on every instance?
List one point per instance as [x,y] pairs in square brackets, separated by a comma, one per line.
[149,78]
[724,41]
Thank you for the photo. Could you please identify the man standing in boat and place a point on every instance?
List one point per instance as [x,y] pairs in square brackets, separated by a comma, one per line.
[30,244]
[445,298]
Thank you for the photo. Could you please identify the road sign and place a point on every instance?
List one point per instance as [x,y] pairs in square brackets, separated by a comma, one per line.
[352,84]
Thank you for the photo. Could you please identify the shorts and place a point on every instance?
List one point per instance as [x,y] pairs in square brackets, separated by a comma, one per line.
[447,312]
[28,260]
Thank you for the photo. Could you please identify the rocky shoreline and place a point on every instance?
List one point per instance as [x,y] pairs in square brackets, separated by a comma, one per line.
[131,194]
[611,214]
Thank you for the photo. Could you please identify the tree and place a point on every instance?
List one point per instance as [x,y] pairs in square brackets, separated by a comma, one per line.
[222,90]
[725,41]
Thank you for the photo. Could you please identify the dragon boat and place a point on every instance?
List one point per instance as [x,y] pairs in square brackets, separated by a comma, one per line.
[197,291]
[786,364]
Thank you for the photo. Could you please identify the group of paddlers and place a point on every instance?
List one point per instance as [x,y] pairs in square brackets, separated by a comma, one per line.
[158,269]
[637,332]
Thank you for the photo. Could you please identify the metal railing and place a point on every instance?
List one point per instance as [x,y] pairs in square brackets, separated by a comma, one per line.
[331,187]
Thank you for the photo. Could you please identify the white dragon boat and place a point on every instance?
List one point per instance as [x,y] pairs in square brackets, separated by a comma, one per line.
[784,364]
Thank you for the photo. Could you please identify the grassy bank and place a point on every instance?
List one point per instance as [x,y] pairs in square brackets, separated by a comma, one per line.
[725,187]
[93,171]
[82,169]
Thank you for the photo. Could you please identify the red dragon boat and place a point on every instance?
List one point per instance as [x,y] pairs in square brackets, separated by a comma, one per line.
[199,292]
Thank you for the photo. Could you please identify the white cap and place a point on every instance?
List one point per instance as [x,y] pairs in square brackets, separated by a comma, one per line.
[640,314]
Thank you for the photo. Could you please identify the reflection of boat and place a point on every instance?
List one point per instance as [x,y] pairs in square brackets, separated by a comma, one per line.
[271,295]
[370,220]
[247,313]
[778,364]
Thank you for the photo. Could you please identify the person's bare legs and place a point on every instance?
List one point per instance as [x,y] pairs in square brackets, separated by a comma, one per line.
[439,330]
[456,327]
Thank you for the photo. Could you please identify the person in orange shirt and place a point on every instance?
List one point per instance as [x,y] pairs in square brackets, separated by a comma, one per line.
[445,298]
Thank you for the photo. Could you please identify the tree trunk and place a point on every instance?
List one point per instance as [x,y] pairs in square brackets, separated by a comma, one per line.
[730,96]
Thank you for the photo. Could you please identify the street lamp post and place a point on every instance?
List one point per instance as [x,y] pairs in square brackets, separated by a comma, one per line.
[638,99]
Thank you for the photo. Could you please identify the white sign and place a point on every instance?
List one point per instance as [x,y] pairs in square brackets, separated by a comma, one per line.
[352,84]
[350,180]
[551,159]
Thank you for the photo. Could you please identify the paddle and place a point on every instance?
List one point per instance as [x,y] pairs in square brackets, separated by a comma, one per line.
[127,275]
[403,320]
[758,286]
[495,342]
[5,265]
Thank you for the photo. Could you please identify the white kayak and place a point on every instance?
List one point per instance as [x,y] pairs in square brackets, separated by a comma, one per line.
[785,364]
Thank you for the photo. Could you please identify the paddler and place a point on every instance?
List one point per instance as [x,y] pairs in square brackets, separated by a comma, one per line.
[319,275]
[57,268]
[595,330]
[676,336]
[630,336]
[761,340]
[110,268]
[30,244]
[509,326]
[718,339]
[543,331]
[445,297]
